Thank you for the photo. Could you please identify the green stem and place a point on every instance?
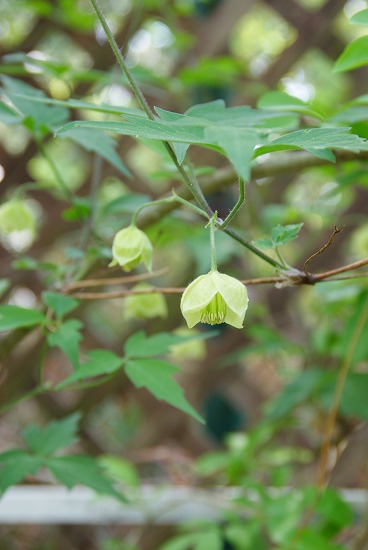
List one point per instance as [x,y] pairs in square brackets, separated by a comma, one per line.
[193,186]
[78,269]
[280,257]
[190,205]
[173,198]
[233,234]
[36,391]
[238,205]
[147,204]
[212,224]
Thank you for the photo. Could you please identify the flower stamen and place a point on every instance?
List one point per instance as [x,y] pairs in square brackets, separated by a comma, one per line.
[215,312]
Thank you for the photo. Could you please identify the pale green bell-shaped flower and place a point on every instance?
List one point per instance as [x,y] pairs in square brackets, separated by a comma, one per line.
[145,306]
[16,215]
[130,247]
[215,298]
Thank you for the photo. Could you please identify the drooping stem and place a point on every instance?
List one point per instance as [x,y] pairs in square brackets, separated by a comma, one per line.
[173,198]
[192,185]
[212,224]
[237,206]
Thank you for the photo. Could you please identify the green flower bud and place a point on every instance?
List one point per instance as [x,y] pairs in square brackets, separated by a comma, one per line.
[145,306]
[15,215]
[130,247]
[215,298]
[192,350]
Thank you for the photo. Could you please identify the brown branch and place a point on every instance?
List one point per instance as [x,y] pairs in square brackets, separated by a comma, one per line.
[349,267]
[114,280]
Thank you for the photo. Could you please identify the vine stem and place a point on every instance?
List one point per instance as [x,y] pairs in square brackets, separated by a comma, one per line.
[192,185]
[173,198]
[340,383]
[212,224]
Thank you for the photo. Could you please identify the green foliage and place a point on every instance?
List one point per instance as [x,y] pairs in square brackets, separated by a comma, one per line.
[13,317]
[69,470]
[99,362]
[66,336]
[280,235]
[144,369]
[59,303]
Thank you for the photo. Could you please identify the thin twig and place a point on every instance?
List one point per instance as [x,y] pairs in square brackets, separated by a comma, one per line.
[110,281]
[322,249]
[124,293]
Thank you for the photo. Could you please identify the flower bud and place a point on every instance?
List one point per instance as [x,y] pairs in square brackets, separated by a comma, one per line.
[15,215]
[145,306]
[190,350]
[215,298]
[130,247]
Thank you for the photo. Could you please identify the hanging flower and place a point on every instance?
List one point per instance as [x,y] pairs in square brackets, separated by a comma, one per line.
[130,247]
[215,298]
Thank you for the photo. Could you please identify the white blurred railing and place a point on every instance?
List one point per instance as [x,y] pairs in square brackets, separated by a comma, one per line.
[153,504]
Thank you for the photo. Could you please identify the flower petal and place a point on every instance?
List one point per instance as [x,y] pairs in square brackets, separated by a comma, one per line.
[196,297]
[235,295]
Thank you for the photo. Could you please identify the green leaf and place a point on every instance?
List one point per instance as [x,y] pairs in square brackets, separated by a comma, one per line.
[179,542]
[125,204]
[296,392]
[140,345]
[360,18]
[265,244]
[15,465]
[12,317]
[120,469]
[334,510]
[7,115]
[79,469]
[207,539]
[100,143]
[282,234]
[237,143]
[354,397]
[99,362]
[59,303]
[354,55]
[156,376]
[281,101]
[67,338]
[43,115]
[322,138]
[56,435]
[180,149]
[144,128]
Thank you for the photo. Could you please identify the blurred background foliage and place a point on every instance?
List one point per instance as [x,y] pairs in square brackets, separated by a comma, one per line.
[265,390]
